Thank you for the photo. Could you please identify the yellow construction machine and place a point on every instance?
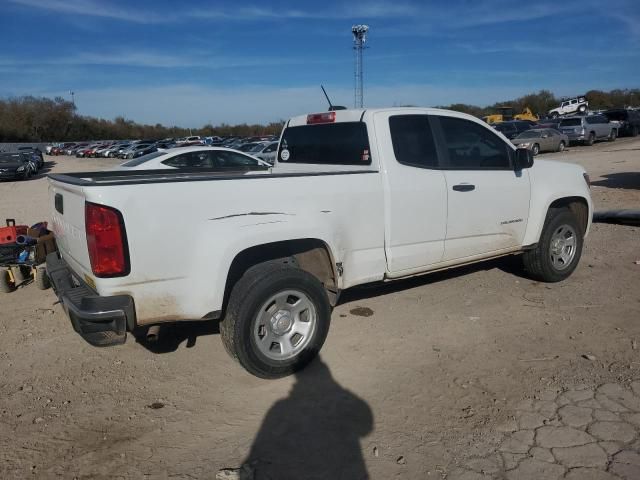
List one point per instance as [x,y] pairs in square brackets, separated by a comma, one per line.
[506,114]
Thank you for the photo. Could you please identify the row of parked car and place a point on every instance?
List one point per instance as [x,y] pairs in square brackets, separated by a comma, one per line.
[20,164]
[556,133]
[262,147]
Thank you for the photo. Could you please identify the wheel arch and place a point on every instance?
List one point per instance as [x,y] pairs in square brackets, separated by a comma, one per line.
[577,204]
[310,254]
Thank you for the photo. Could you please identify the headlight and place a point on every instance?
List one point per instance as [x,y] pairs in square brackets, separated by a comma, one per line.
[20,169]
[524,145]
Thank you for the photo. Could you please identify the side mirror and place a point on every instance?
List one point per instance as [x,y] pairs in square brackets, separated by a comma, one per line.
[523,159]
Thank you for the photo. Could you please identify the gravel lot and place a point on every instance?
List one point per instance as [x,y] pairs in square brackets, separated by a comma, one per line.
[473,373]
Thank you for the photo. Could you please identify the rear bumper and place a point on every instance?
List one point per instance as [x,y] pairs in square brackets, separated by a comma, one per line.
[574,137]
[101,321]
[11,176]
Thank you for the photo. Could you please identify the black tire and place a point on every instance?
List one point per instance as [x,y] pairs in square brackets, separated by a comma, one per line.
[6,284]
[538,263]
[635,131]
[591,140]
[582,108]
[613,135]
[42,279]
[247,298]
[561,146]
[555,115]
[535,150]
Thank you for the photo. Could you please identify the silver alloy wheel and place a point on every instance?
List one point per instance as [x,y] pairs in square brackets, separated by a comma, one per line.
[285,325]
[561,147]
[562,248]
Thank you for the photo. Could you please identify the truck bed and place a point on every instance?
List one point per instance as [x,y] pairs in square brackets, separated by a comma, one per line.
[132,177]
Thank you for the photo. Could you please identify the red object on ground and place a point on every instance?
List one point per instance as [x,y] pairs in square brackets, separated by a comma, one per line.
[9,233]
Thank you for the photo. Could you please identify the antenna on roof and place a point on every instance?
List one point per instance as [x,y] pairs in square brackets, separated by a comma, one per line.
[332,107]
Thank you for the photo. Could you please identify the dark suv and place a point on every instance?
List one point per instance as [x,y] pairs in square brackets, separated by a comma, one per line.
[512,128]
[629,120]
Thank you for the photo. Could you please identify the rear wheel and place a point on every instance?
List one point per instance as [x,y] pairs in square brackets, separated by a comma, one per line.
[590,140]
[7,284]
[558,251]
[561,146]
[635,131]
[277,320]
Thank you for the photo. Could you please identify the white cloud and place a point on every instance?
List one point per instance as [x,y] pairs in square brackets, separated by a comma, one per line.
[380,9]
[95,9]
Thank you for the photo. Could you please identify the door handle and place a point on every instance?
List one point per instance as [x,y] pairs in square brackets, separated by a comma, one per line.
[464,187]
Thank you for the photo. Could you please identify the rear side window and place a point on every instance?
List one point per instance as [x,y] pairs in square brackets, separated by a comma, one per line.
[145,158]
[473,147]
[191,160]
[345,143]
[224,159]
[617,115]
[412,140]
[571,122]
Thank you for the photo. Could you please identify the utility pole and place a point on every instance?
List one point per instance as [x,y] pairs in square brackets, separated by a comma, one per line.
[359,38]
[73,99]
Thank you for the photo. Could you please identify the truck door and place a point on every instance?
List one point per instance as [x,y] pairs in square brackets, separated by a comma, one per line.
[488,202]
[414,189]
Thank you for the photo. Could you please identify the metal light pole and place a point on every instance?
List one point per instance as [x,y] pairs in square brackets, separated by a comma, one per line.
[73,100]
[359,38]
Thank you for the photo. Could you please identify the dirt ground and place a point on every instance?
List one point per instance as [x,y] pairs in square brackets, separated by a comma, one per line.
[415,378]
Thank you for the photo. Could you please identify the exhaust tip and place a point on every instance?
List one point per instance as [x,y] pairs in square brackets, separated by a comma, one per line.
[153,333]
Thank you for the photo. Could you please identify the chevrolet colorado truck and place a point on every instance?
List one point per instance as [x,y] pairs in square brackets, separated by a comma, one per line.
[355,196]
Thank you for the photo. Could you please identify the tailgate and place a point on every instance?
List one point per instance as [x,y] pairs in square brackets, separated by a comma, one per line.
[67,215]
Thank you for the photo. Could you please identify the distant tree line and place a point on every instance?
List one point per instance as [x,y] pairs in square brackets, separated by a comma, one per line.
[39,119]
[543,101]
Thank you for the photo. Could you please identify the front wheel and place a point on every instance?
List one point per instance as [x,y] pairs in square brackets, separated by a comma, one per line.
[562,146]
[277,320]
[535,150]
[558,251]
[612,136]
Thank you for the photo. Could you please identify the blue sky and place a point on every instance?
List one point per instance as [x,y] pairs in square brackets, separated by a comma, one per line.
[193,62]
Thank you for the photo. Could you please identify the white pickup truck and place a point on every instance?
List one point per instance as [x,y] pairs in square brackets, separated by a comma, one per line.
[355,196]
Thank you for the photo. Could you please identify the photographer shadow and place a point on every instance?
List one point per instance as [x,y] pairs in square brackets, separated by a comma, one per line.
[313,433]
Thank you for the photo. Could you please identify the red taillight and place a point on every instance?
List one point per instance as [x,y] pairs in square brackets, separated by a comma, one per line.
[327,117]
[106,240]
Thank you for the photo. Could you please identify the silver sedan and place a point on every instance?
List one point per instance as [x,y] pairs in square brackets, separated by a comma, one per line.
[541,140]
